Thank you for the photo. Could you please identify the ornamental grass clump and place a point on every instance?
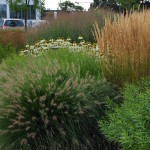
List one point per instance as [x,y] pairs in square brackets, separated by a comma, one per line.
[16,38]
[45,104]
[125,47]
[70,24]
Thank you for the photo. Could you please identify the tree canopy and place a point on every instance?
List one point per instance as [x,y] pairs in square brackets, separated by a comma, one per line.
[69,6]
[120,4]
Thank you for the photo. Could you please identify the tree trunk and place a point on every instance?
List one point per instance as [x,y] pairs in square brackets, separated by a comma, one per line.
[25,17]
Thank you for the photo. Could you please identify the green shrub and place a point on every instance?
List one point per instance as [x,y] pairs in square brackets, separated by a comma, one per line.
[6,51]
[129,124]
[47,103]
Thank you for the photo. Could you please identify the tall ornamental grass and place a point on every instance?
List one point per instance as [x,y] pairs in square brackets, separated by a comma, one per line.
[67,24]
[125,47]
[16,38]
[49,104]
[70,24]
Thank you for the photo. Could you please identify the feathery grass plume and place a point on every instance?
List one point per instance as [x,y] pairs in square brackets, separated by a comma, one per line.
[124,45]
[52,105]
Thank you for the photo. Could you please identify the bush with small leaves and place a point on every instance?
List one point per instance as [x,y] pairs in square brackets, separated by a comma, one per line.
[46,104]
[129,124]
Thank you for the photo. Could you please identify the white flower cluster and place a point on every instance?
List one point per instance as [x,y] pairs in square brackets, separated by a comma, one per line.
[43,45]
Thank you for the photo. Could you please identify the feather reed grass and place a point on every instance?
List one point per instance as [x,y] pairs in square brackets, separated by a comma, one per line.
[16,38]
[125,47]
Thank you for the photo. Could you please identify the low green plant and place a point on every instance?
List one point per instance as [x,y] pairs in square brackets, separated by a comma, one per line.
[52,103]
[6,51]
[129,124]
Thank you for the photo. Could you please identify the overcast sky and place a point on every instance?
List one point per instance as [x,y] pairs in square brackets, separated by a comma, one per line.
[53,4]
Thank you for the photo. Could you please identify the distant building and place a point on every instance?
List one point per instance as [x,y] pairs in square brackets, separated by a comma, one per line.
[5,12]
[55,13]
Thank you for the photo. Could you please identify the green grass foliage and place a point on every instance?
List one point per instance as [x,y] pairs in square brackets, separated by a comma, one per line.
[87,63]
[129,124]
[51,102]
[6,51]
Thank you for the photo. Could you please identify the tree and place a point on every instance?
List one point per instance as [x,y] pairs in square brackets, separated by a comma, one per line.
[128,4]
[24,4]
[120,4]
[69,6]
[105,4]
[95,4]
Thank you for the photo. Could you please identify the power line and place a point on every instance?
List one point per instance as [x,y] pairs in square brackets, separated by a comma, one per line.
[82,2]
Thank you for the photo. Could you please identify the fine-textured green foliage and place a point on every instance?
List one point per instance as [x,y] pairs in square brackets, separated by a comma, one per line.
[130,124]
[86,62]
[6,51]
[51,100]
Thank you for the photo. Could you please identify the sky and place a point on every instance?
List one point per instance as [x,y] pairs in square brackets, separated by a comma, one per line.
[53,4]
